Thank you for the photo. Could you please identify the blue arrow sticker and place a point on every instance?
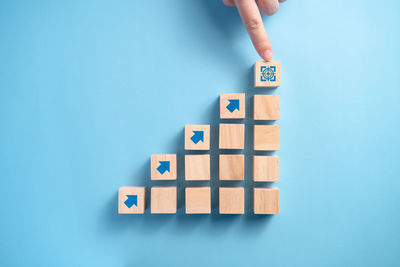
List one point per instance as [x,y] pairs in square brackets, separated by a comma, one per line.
[233,104]
[132,200]
[164,167]
[197,136]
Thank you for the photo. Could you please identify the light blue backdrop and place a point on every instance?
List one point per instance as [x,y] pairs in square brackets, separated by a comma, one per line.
[90,89]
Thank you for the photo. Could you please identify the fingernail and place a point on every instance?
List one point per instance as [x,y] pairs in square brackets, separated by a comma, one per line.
[267,55]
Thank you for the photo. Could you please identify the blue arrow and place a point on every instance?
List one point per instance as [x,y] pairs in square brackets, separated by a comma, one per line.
[132,200]
[198,136]
[164,166]
[233,104]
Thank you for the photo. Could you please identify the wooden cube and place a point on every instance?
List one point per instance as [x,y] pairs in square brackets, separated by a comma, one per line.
[267,74]
[266,107]
[266,137]
[197,167]
[197,137]
[231,136]
[163,199]
[131,200]
[232,106]
[266,200]
[163,167]
[198,200]
[231,200]
[231,167]
[265,168]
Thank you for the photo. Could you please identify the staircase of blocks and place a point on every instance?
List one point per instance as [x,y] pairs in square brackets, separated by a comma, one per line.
[163,199]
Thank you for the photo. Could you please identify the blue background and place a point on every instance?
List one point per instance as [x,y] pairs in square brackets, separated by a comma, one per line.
[90,89]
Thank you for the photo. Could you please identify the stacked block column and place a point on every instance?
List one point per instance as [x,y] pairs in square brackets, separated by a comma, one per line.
[266,138]
[197,168]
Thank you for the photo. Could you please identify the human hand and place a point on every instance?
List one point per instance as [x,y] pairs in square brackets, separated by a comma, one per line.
[249,11]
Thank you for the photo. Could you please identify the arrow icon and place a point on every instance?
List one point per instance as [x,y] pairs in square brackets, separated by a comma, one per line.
[197,136]
[233,104]
[164,166]
[132,200]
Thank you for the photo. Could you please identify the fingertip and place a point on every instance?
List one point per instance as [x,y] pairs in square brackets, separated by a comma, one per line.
[267,55]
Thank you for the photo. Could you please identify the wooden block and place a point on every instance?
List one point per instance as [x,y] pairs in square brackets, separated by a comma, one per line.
[265,168]
[232,106]
[197,167]
[163,167]
[231,200]
[198,200]
[131,200]
[266,107]
[267,74]
[197,137]
[163,199]
[266,200]
[231,136]
[231,167]
[266,137]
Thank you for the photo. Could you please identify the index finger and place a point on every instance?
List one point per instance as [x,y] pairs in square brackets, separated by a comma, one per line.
[251,18]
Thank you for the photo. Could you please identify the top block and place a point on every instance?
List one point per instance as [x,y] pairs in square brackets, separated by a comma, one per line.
[197,137]
[267,74]
[232,106]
